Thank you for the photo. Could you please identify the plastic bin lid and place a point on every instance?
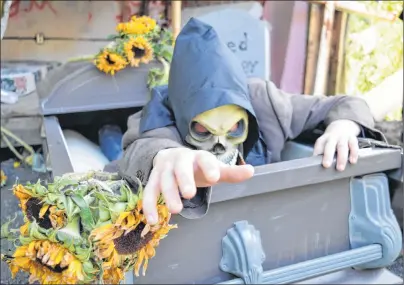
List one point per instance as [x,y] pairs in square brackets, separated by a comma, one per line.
[80,87]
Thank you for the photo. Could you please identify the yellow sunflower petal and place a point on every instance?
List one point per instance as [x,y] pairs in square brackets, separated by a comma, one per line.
[56,256]
[43,210]
[108,251]
[130,220]
[24,229]
[21,193]
[75,269]
[121,217]
[139,262]
[14,270]
[99,233]
[31,248]
[145,265]
[22,262]
[150,251]
[20,251]
[146,230]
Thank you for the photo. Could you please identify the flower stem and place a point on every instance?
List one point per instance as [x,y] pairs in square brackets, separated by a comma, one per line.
[81,58]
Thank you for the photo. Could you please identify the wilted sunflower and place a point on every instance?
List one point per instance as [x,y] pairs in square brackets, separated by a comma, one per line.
[137,50]
[84,228]
[110,62]
[148,22]
[47,262]
[131,238]
[47,216]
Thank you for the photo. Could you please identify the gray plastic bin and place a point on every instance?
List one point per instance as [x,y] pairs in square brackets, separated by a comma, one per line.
[294,221]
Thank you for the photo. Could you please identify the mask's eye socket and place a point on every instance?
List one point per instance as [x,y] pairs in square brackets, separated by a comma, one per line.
[237,130]
[199,132]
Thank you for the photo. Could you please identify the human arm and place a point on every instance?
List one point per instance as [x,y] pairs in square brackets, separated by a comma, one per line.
[162,163]
[141,148]
[340,118]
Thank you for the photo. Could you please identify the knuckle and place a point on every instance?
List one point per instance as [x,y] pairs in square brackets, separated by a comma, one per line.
[354,141]
[204,153]
[330,147]
[205,156]
[183,154]
[321,139]
[342,145]
[181,174]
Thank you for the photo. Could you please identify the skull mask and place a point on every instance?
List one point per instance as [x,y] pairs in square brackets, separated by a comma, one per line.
[221,131]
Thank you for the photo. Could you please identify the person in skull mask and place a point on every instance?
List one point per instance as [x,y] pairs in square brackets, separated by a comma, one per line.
[212,124]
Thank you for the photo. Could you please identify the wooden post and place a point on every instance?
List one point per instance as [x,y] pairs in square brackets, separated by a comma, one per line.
[357,8]
[320,86]
[340,81]
[176,18]
[312,47]
[337,52]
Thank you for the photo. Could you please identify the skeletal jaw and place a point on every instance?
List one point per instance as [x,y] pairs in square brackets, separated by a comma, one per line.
[229,158]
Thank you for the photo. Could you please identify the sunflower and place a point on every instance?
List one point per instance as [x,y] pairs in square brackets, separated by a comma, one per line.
[84,228]
[47,262]
[110,62]
[132,28]
[148,22]
[130,238]
[138,49]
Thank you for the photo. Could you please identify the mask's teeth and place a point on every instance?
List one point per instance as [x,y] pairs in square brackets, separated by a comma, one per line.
[234,159]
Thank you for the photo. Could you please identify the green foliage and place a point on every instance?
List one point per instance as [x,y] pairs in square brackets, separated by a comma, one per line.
[374,48]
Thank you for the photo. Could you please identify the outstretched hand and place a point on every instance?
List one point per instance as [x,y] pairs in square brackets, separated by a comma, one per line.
[340,137]
[182,170]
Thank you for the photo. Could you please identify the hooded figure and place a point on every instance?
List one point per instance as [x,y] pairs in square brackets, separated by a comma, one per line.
[210,104]
[204,75]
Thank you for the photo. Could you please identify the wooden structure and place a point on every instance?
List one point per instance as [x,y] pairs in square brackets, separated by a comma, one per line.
[326,40]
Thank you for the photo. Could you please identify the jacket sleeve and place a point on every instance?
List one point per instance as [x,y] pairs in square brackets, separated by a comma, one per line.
[137,161]
[140,149]
[300,113]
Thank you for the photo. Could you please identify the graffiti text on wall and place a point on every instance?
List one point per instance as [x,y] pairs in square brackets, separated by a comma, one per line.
[33,5]
[19,7]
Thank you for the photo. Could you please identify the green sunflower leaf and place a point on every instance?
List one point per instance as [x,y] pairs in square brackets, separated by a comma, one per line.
[5,229]
[86,215]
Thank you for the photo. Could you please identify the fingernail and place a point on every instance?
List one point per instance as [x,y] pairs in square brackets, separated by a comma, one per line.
[340,167]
